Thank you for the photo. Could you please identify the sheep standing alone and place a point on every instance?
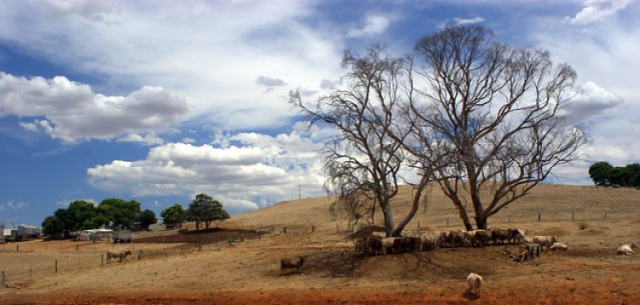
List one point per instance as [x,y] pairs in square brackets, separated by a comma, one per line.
[118,255]
[474,281]
[297,263]
[627,249]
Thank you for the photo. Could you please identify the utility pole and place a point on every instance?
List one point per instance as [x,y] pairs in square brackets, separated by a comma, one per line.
[299,191]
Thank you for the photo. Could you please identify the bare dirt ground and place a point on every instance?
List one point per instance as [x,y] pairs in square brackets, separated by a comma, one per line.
[248,272]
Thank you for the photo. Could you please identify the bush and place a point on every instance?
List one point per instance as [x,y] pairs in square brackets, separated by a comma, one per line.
[583,225]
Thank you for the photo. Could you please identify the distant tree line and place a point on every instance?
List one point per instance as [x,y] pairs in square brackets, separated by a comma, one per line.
[604,174]
[112,213]
[118,213]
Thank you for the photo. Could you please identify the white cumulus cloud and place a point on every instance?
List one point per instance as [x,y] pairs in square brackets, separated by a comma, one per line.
[70,111]
[597,10]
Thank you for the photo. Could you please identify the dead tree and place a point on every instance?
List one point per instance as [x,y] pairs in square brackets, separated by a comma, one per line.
[489,118]
[363,161]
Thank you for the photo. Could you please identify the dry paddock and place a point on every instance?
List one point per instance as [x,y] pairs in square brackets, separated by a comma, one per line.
[248,272]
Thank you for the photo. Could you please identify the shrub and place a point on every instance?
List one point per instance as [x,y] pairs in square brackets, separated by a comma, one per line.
[583,225]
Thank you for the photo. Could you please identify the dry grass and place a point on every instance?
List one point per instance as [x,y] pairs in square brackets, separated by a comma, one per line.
[249,273]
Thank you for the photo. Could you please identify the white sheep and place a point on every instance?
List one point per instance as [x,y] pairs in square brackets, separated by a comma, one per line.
[558,246]
[627,249]
[474,281]
[387,245]
[545,241]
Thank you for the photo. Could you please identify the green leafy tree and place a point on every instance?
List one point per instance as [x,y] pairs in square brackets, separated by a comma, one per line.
[633,174]
[205,209]
[174,215]
[147,218]
[78,216]
[120,212]
[600,173]
[52,226]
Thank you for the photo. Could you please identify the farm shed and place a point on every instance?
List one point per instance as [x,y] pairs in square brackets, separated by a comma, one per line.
[28,232]
[95,235]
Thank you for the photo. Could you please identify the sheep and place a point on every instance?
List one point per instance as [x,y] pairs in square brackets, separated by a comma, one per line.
[558,246]
[429,241]
[405,243]
[627,249]
[474,281]
[457,238]
[501,236]
[517,236]
[545,241]
[374,245]
[296,262]
[387,245]
[118,255]
[480,238]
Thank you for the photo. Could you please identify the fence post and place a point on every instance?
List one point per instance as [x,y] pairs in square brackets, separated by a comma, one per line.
[4,280]
[56,266]
[605,215]
[77,247]
[539,216]
[101,260]
[573,215]
[313,228]
[447,222]
[17,247]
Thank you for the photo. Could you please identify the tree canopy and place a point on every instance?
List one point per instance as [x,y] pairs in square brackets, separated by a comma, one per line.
[119,212]
[604,174]
[52,226]
[206,209]
[174,215]
[147,218]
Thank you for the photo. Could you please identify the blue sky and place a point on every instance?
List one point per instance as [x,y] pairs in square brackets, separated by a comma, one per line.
[160,100]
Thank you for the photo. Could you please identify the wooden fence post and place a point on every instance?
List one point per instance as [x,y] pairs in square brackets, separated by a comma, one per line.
[605,215]
[56,266]
[101,260]
[539,216]
[573,215]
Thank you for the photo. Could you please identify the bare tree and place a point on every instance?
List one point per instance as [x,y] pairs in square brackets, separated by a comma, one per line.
[489,120]
[363,161]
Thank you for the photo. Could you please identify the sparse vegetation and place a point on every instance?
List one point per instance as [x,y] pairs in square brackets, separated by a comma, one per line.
[583,225]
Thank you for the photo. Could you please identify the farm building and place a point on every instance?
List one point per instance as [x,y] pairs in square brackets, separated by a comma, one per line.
[28,233]
[95,235]
[10,234]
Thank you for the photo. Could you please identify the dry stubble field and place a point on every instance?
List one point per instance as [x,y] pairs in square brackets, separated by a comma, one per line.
[248,272]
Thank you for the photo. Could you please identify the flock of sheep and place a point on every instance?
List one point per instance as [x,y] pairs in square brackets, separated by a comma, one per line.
[377,243]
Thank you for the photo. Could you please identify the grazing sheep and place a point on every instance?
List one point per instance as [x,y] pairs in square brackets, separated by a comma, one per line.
[430,241]
[500,236]
[387,245]
[457,238]
[480,238]
[627,249]
[374,245]
[474,281]
[545,241]
[517,236]
[297,263]
[118,255]
[558,246]
[406,243]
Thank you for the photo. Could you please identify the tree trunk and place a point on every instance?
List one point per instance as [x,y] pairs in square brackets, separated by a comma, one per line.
[197,225]
[414,207]
[388,220]
[464,216]
[481,222]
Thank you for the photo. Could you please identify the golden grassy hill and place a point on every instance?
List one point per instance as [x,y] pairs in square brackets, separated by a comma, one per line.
[554,203]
